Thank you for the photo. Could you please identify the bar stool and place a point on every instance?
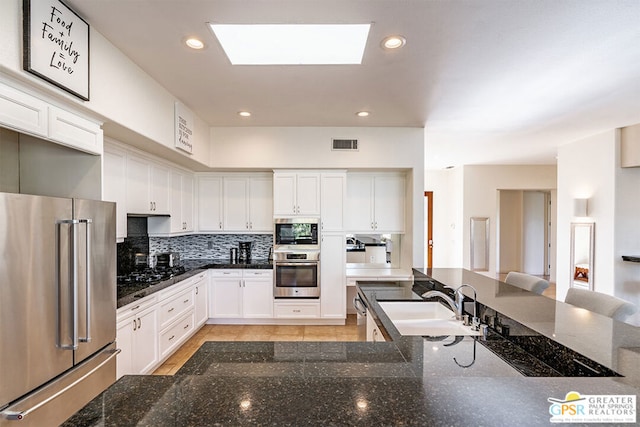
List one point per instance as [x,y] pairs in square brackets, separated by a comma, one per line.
[527,282]
[607,305]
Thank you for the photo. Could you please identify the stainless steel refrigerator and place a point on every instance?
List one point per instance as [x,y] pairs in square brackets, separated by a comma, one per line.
[57,306]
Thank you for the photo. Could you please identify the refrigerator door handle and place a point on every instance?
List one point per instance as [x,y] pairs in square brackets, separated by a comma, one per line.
[74,284]
[88,223]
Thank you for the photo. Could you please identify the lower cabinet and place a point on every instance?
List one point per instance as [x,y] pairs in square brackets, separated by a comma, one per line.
[200,298]
[240,293]
[373,332]
[297,310]
[137,338]
[151,329]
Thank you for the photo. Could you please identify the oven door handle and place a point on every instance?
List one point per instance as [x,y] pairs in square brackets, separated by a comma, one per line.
[295,264]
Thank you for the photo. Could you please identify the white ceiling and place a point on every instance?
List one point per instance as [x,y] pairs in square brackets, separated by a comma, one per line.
[492,81]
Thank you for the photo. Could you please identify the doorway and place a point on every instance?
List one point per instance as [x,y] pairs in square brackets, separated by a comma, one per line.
[524,231]
[428,200]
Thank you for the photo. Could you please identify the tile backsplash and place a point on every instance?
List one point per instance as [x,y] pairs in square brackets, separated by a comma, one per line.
[211,246]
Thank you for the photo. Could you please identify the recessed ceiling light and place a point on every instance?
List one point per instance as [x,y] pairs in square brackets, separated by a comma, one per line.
[244,113]
[393,42]
[362,114]
[299,44]
[194,43]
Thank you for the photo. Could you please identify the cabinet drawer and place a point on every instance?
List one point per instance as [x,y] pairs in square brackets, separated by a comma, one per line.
[173,336]
[297,310]
[173,308]
[135,307]
[258,273]
[226,273]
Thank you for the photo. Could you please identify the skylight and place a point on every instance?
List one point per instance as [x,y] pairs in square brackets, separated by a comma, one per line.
[299,44]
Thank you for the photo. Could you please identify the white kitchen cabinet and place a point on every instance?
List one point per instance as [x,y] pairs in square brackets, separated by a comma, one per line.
[284,309]
[74,131]
[257,293]
[296,193]
[333,190]
[201,300]
[235,203]
[333,276]
[236,199]
[114,181]
[147,186]
[225,294]
[241,294]
[261,203]
[375,202]
[181,201]
[23,112]
[137,338]
[373,332]
[210,201]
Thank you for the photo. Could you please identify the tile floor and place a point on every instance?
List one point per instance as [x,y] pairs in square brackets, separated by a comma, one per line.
[348,332]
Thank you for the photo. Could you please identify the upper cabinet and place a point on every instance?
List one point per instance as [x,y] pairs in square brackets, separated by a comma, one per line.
[114,172]
[375,202]
[235,203]
[210,203]
[147,186]
[296,193]
[23,112]
[182,184]
[31,115]
[333,190]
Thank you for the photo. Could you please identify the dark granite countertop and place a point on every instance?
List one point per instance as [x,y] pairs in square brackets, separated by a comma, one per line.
[129,294]
[409,381]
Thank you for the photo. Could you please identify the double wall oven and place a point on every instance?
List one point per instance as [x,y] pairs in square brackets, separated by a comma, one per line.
[296,258]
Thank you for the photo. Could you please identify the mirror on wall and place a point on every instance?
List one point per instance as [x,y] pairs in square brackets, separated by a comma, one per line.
[582,250]
[479,244]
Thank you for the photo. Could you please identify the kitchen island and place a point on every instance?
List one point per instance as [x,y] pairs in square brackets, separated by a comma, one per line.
[404,381]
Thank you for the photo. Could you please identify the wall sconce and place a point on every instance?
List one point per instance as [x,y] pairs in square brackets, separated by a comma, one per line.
[580,207]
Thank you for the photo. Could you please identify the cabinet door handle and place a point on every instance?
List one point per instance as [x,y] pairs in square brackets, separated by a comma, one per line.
[186,326]
[185,301]
[139,323]
[220,225]
[171,337]
[372,226]
[135,308]
[135,326]
[196,290]
[246,225]
[294,208]
[170,310]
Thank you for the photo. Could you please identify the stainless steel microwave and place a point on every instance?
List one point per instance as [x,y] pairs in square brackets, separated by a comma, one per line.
[299,233]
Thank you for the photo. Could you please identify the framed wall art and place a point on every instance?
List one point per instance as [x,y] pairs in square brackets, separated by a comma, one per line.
[56,45]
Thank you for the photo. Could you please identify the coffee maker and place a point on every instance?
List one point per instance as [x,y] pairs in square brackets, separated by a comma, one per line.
[244,253]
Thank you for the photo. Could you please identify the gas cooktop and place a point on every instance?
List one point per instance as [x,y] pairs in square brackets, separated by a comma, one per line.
[147,277]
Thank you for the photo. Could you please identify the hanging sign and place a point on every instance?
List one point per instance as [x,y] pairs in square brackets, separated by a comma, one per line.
[56,45]
[184,128]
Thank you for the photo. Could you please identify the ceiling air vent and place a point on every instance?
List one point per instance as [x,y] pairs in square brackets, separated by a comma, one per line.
[344,145]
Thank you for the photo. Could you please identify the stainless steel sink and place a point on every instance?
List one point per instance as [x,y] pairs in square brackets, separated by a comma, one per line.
[424,318]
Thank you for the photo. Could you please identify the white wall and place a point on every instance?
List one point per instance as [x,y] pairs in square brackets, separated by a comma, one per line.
[481,185]
[265,148]
[587,169]
[614,206]
[472,191]
[447,216]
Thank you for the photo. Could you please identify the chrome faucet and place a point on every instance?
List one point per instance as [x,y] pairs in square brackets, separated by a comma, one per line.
[458,305]
[453,304]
